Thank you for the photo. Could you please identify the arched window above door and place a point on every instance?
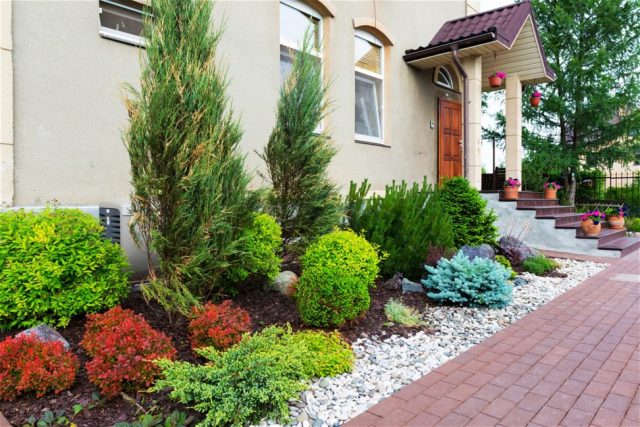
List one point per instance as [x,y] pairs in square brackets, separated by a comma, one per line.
[444,78]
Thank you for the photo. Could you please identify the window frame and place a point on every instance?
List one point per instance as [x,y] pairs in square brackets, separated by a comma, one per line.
[448,76]
[121,36]
[366,75]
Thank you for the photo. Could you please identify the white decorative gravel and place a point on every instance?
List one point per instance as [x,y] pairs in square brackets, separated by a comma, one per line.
[385,364]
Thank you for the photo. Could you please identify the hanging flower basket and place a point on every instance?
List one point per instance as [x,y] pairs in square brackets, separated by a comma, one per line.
[495,80]
[535,99]
[615,217]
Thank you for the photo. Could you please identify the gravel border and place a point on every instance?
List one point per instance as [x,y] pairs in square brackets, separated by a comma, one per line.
[385,364]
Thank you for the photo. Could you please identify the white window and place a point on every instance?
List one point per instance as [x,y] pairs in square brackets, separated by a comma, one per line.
[443,78]
[295,18]
[122,20]
[369,64]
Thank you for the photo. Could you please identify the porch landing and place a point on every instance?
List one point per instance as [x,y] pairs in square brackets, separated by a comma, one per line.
[574,362]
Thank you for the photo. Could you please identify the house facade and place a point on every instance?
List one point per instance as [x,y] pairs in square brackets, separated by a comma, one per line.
[402,107]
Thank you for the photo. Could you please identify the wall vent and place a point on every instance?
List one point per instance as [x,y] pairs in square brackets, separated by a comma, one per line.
[110,220]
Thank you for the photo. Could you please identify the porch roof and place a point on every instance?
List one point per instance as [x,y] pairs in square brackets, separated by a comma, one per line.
[507,39]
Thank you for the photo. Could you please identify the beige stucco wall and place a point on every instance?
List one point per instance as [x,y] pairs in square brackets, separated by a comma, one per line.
[68,110]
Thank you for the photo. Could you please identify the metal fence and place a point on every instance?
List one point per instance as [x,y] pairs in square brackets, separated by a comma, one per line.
[610,190]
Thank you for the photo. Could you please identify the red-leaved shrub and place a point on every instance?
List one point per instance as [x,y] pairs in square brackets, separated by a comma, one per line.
[122,346]
[30,365]
[220,326]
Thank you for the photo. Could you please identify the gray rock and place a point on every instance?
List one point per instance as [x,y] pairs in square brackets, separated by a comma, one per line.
[516,250]
[285,282]
[409,286]
[46,334]
[519,281]
[482,251]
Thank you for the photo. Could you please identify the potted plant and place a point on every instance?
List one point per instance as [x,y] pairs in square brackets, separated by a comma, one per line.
[495,79]
[615,217]
[535,98]
[511,187]
[591,222]
[550,190]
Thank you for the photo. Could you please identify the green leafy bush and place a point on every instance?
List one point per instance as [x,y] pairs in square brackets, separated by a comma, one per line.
[408,223]
[399,313]
[476,283]
[504,261]
[338,270]
[539,264]
[257,377]
[473,225]
[632,224]
[54,264]
[260,247]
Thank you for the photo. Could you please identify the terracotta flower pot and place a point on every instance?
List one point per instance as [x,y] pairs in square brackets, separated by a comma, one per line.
[616,222]
[589,228]
[535,101]
[495,81]
[511,193]
[550,193]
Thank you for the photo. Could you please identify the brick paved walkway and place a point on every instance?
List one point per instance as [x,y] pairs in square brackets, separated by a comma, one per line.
[575,361]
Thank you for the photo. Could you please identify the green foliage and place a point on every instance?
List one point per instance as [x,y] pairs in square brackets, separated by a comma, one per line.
[255,378]
[303,199]
[190,201]
[338,270]
[408,223]
[261,244]
[592,110]
[632,224]
[504,261]
[473,225]
[539,264]
[477,283]
[149,419]
[399,313]
[54,265]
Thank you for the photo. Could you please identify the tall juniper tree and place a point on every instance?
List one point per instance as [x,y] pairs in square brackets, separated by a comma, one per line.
[592,110]
[303,199]
[190,200]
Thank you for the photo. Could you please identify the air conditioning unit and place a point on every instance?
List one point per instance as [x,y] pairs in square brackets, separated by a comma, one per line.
[115,218]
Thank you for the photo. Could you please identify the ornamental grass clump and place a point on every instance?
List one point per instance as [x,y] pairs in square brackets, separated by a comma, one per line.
[337,272]
[401,314]
[54,265]
[190,199]
[256,378]
[409,223]
[477,283]
[539,265]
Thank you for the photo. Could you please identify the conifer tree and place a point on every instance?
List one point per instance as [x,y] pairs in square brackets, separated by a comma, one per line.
[303,199]
[190,200]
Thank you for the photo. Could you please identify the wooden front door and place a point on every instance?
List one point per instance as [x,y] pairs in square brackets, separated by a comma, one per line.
[449,137]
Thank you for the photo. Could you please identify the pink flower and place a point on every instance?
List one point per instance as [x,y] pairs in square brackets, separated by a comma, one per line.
[536,94]
[501,75]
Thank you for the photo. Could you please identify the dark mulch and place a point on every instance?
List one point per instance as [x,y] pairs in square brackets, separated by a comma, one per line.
[265,307]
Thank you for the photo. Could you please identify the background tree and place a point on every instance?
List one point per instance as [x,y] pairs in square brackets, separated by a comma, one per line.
[190,201]
[591,112]
[303,199]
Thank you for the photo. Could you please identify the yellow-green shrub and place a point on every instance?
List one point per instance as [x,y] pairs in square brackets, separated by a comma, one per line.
[261,244]
[338,270]
[54,265]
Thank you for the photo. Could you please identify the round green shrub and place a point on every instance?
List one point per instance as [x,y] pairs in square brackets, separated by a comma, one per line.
[261,244]
[504,261]
[473,224]
[539,265]
[55,264]
[338,270]
[474,283]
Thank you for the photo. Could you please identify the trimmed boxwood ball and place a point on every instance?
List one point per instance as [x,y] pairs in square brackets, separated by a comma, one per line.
[338,270]
[477,283]
[55,264]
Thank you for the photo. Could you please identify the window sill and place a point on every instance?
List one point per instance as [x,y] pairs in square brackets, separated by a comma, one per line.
[121,36]
[377,144]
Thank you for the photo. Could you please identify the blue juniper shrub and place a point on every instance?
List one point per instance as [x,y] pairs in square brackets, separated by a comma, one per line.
[477,283]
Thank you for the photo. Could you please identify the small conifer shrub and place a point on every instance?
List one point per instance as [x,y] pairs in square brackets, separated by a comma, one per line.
[539,265]
[477,283]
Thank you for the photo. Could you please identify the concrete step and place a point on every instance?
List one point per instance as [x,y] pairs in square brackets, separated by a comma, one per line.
[521,195]
[567,218]
[552,211]
[606,235]
[532,204]
[575,225]
[625,245]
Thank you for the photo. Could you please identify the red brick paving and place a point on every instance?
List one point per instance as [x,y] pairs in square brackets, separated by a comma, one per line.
[573,362]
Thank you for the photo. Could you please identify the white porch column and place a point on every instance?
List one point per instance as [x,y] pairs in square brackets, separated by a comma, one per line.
[473,67]
[513,115]
[6,104]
